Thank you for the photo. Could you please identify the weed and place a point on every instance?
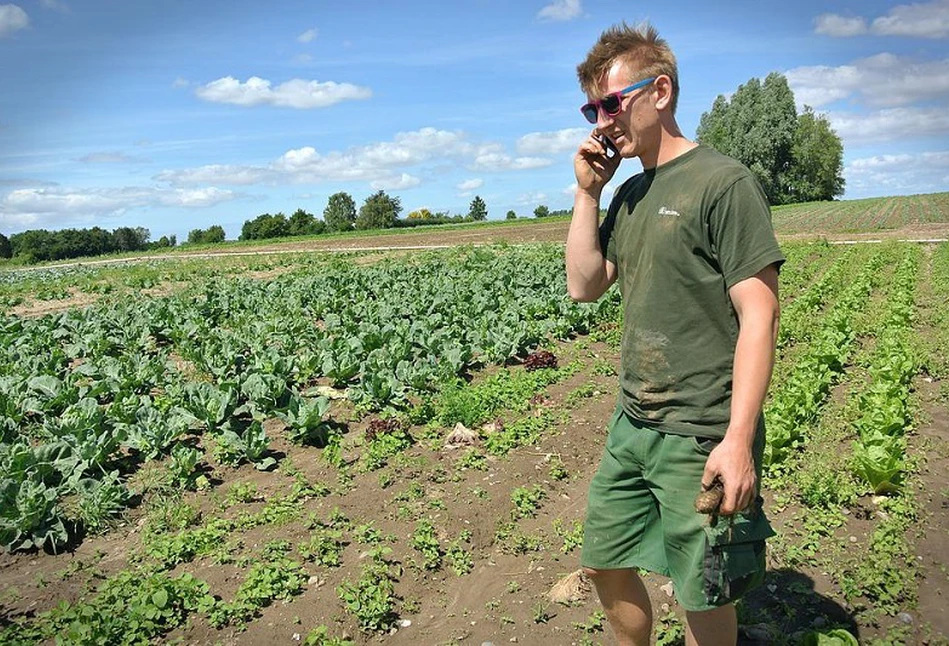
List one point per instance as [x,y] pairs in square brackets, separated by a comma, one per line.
[324,547]
[480,492]
[593,624]
[572,536]
[319,636]
[669,631]
[473,459]
[526,501]
[540,613]
[557,469]
[459,558]
[423,540]
[371,598]
[511,541]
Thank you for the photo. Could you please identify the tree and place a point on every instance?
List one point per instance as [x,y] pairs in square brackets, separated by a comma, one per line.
[478,210]
[211,235]
[265,226]
[379,211]
[129,239]
[6,251]
[541,211]
[760,127]
[511,215]
[340,212]
[818,153]
[302,223]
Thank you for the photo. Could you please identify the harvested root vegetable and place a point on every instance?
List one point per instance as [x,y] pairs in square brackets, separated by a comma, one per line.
[710,500]
[572,588]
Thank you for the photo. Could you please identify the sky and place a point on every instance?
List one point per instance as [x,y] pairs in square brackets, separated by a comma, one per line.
[177,115]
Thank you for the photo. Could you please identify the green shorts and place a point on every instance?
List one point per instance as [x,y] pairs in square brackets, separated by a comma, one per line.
[641,514]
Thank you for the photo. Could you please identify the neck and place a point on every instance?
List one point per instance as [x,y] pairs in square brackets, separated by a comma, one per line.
[671,144]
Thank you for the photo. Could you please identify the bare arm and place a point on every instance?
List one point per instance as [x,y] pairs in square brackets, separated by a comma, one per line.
[756,304]
[589,273]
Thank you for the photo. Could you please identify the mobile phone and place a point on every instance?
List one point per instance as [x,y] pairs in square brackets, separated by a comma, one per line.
[611,150]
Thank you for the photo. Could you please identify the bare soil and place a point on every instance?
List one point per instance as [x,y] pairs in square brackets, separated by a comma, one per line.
[504,598]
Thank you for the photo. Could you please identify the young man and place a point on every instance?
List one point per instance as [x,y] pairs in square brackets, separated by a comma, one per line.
[691,243]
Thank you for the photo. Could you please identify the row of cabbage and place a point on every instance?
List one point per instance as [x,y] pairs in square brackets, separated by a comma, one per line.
[88,396]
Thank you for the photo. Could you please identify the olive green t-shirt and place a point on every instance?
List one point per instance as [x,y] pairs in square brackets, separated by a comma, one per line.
[680,236]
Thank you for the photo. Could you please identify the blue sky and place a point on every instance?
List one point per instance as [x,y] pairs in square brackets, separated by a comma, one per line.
[178,115]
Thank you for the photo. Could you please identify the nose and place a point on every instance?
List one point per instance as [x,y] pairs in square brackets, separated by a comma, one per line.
[602,119]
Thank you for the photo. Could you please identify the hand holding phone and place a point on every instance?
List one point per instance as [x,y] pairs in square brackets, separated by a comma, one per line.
[595,163]
[611,150]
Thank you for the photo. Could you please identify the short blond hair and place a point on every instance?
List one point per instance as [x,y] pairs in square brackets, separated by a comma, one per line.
[639,48]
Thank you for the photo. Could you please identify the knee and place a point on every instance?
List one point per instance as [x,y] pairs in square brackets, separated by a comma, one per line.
[595,575]
[592,573]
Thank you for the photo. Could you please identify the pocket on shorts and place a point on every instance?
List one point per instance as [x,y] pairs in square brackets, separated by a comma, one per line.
[735,555]
[704,445]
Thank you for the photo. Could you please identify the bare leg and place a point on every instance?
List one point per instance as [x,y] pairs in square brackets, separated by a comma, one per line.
[716,627]
[626,604]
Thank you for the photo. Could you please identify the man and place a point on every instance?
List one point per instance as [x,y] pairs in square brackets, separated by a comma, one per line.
[691,243]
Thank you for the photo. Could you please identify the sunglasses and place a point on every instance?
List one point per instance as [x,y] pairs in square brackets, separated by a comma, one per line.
[612,103]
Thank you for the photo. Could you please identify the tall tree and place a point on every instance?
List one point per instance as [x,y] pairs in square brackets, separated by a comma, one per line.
[817,171]
[541,211]
[340,212]
[757,128]
[478,210]
[379,211]
[301,223]
[6,251]
[760,127]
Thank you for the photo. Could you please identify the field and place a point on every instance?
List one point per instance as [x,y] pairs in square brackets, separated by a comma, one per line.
[394,446]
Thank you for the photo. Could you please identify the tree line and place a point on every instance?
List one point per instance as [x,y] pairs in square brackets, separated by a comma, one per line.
[379,211]
[38,245]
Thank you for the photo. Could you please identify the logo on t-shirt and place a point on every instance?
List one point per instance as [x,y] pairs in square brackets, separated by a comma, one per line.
[667,211]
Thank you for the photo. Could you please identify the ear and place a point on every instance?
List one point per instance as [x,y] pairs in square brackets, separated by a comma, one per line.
[663,85]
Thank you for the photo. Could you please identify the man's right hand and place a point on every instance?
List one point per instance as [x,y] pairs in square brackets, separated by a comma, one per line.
[593,166]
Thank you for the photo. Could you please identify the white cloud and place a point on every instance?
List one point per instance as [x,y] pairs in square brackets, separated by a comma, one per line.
[921,20]
[308,36]
[492,158]
[893,124]
[109,157]
[395,183]
[830,24]
[55,4]
[925,20]
[180,82]
[61,206]
[880,80]
[902,174]
[386,162]
[534,198]
[12,18]
[295,93]
[216,174]
[561,10]
[470,184]
[551,143]
[195,198]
